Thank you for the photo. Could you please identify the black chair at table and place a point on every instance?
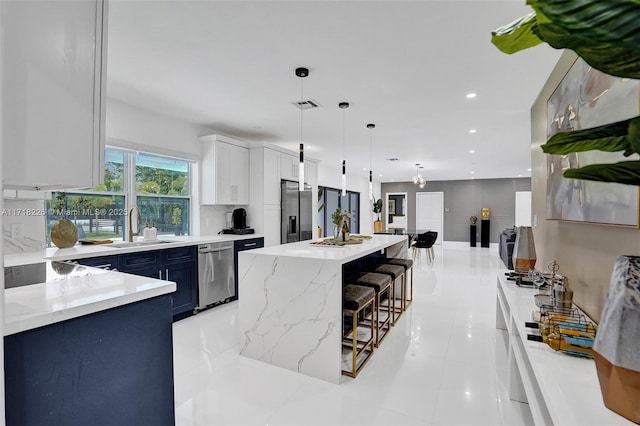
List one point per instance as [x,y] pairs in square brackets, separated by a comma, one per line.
[426,241]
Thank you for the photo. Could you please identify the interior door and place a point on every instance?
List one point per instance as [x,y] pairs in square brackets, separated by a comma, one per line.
[430,213]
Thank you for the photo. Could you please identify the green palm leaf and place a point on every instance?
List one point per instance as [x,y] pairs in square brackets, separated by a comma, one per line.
[619,136]
[606,34]
[625,172]
[517,35]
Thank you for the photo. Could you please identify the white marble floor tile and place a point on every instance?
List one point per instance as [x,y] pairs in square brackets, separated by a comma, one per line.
[443,363]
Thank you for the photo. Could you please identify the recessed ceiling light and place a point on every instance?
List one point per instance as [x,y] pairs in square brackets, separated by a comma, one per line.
[379,175]
[472,172]
[519,175]
[472,151]
[528,170]
[393,180]
[471,95]
[364,168]
[473,177]
[472,131]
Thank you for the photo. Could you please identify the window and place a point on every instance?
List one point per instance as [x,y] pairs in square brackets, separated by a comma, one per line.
[159,186]
[329,199]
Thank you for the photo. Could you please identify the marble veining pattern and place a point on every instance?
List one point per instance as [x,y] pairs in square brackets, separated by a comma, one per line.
[291,321]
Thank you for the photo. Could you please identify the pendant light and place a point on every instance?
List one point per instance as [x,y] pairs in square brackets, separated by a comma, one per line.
[418,179]
[343,106]
[371,126]
[302,73]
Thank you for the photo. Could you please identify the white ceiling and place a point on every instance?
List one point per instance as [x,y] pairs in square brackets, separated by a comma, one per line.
[404,65]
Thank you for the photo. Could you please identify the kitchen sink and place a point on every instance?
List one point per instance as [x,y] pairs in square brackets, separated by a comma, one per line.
[126,244]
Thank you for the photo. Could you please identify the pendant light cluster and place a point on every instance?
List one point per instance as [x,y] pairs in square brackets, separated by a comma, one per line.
[302,73]
[418,179]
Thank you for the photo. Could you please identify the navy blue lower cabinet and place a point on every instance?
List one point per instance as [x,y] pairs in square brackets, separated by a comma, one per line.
[242,245]
[113,367]
[176,264]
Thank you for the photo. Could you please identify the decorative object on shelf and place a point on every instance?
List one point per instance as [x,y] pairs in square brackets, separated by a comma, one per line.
[486,212]
[371,126]
[302,73]
[343,106]
[524,250]
[616,345]
[64,233]
[378,225]
[473,230]
[418,179]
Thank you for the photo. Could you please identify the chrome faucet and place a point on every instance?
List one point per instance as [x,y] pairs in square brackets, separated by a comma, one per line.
[131,233]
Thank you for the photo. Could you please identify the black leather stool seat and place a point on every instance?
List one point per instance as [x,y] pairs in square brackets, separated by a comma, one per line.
[393,270]
[378,282]
[354,297]
[407,263]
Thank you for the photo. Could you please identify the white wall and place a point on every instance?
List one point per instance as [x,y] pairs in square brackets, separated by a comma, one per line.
[131,127]
[331,177]
[523,208]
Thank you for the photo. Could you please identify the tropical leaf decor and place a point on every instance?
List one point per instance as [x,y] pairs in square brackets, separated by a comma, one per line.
[606,34]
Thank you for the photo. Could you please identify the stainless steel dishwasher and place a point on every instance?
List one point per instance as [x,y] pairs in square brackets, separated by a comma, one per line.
[216,281]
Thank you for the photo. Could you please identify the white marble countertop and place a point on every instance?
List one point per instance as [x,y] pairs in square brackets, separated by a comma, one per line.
[37,305]
[342,254]
[82,251]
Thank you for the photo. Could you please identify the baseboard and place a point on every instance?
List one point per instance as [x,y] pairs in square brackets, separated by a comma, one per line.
[464,245]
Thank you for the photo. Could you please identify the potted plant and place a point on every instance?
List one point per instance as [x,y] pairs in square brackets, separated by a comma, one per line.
[339,218]
[176,220]
[378,226]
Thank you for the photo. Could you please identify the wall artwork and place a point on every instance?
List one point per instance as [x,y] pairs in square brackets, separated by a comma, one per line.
[587,98]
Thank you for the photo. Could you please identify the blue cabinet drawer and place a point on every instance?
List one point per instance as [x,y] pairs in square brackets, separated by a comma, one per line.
[180,255]
[145,259]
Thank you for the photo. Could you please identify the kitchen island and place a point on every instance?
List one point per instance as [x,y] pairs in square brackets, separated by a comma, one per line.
[291,301]
[86,346]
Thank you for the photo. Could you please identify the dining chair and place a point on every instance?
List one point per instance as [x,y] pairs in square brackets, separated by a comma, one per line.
[425,241]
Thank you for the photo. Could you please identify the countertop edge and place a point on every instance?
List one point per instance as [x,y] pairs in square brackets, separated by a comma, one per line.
[82,252]
[136,289]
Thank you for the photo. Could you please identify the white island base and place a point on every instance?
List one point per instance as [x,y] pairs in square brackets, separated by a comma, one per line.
[290,302]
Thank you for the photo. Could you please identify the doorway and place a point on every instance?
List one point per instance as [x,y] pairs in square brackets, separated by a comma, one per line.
[396,216]
[430,213]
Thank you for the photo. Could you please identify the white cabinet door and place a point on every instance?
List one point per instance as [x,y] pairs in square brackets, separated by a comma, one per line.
[53,101]
[225,174]
[271,186]
[311,173]
[289,165]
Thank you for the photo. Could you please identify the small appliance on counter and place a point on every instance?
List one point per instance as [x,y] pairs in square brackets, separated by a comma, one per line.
[239,226]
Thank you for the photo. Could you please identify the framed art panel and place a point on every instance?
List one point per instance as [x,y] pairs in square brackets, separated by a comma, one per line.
[587,98]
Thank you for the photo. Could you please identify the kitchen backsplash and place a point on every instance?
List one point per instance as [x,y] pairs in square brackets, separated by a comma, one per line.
[23,225]
[212,219]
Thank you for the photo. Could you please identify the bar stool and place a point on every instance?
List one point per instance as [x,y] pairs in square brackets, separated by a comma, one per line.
[355,299]
[381,284]
[407,264]
[396,272]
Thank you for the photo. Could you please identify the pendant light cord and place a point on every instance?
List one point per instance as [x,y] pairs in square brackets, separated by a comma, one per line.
[301,108]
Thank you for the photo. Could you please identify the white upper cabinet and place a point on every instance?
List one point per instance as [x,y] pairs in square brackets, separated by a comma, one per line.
[225,171]
[271,183]
[289,165]
[53,105]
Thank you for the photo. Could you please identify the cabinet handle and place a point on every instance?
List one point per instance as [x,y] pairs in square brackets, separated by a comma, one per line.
[251,244]
[160,274]
[166,274]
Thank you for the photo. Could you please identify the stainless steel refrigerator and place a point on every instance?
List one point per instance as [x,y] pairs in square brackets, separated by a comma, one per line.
[295,224]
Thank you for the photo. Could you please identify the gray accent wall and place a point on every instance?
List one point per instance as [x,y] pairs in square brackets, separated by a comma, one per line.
[465,198]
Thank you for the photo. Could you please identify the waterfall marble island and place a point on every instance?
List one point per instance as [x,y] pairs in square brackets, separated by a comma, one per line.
[290,301]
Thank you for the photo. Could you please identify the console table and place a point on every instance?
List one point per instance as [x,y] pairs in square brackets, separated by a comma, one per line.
[560,389]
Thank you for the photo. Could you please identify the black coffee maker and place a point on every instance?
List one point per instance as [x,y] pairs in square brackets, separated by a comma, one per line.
[239,223]
[239,219]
